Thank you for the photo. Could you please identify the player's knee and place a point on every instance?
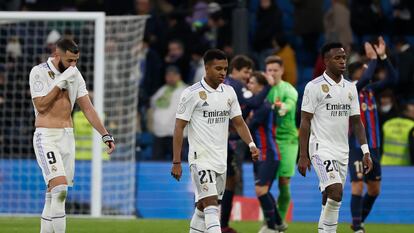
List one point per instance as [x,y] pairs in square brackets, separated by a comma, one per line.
[374,189]
[357,188]
[334,192]
[261,190]
[284,181]
[60,180]
[209,201]
[59,193]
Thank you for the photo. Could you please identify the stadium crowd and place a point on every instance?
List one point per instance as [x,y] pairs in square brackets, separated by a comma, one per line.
[179,32]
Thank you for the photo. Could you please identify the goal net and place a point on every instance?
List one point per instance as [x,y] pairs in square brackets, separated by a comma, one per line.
[109,52]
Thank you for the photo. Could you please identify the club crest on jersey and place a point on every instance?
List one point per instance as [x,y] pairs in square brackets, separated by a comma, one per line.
[203,95]
[364,106]
[350,97]
[325,88]
[54,168]
[332,176]
[51,74]
[229,103]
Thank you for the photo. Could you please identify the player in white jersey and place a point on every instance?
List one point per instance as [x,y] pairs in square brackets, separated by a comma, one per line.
[206,108]
[329,103]
[55,86]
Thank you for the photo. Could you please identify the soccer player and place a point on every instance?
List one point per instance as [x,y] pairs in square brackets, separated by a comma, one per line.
[261,123]
[329,103]
[283,97]
[206,108]
[241,68]
[55,86]
[361,206]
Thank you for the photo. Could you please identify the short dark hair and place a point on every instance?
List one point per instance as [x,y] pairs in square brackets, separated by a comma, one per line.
[261,79]
[353,67]
[327,47]
[241,61]
[66,44]
[212,54]
[273,59]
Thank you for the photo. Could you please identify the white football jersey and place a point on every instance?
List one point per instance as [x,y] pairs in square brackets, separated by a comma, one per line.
[331,104]
[42,81]
[208,111]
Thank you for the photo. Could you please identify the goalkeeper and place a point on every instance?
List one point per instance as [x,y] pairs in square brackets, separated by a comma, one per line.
[284,97]
[55,86]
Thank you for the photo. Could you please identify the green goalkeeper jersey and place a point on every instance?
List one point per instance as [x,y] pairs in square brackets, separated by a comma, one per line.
[285,93]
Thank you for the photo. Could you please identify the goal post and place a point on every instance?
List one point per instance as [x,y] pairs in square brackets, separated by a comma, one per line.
[95,32]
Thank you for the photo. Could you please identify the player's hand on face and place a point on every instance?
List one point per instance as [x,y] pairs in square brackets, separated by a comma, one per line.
[367,161]
[255,153]
[111,147]
[303,164]
[270,79]
[176,171]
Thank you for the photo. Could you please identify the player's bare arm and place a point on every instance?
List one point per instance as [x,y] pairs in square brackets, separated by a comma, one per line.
[88,110]
[304,132]
[176,170]
[359,131]
[245,135]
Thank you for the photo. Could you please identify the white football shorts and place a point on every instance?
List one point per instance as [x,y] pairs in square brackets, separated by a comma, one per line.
[207,182]
[55,153]
[330,168]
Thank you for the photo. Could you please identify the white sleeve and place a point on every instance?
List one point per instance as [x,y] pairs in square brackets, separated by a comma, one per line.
[38,83]
[234,105]
[82,91]
[186,105]
[310,99]
[355,110]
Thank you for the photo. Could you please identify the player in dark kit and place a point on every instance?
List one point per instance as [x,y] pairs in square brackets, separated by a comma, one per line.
[361,206]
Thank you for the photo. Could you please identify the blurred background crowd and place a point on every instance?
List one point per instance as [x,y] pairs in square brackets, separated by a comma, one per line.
[179,32]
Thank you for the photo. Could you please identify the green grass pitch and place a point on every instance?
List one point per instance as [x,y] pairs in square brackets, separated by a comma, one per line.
[92,225]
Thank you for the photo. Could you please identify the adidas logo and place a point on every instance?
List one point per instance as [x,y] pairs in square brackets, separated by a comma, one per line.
[328,96]
[205,104]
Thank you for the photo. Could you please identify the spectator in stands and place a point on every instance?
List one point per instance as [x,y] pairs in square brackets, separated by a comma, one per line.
[287,55]
[387,108]
[164,104]
[308,24]
[179,30]
[367,17]
[399,138]
[151,69]
[337,23]
[403,13]
[177,56]
[269,20]
[197,71]
[154,26]
[217,32]
[405,65]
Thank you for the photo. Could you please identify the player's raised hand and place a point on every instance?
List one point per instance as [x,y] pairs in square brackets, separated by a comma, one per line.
[367,161]
[303,164]
[369,51]
[380,48]
[255,153]
[176,171]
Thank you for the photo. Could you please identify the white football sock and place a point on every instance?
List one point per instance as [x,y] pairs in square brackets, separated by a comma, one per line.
[57,208]
[320,223]
[197,224]
[330,216]
[212,219]
[46,220]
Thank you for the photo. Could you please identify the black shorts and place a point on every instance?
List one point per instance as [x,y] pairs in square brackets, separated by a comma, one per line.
[265,172]
[356,167]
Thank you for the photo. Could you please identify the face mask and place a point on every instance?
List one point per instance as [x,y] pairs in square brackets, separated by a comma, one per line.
[386,108]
